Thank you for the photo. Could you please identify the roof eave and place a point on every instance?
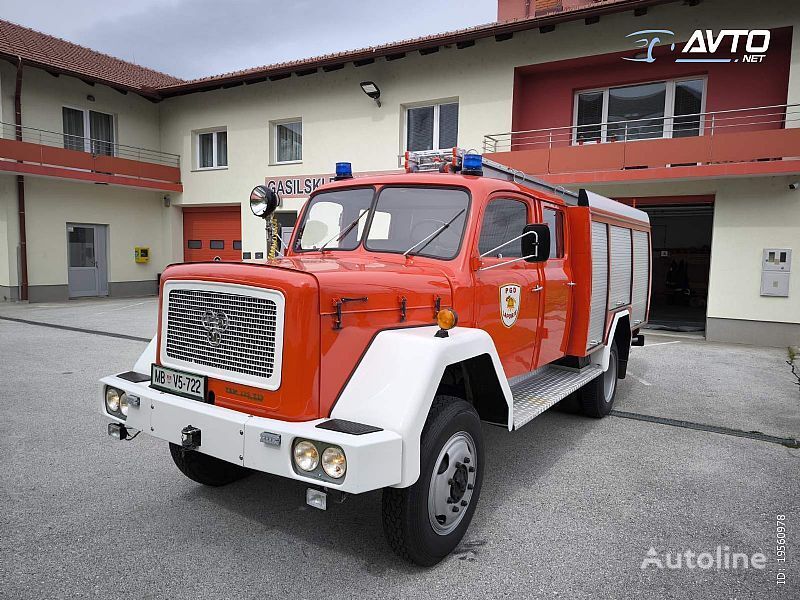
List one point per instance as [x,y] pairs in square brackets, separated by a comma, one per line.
[490,30]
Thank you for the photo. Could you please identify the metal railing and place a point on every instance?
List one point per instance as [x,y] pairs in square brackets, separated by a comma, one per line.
[678,126]
[91,146]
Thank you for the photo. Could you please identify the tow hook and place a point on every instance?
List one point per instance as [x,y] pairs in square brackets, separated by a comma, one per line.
[118,431]
[190,438]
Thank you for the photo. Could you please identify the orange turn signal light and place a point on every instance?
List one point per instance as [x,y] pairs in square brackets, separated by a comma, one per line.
[447,319]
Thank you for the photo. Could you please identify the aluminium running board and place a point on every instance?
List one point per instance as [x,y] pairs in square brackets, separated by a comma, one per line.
[538,390]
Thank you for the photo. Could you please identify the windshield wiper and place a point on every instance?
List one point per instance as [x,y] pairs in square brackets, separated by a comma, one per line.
[434,235]
[344,232]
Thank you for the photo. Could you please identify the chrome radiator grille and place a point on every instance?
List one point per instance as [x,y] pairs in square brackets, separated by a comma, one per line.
[226,331]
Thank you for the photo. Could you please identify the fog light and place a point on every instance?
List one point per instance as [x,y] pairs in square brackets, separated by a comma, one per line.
[317,499]
[112,400]
[117,431]
[333,462]
[306,456]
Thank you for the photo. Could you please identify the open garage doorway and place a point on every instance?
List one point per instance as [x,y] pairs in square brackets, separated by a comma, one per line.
[681,244]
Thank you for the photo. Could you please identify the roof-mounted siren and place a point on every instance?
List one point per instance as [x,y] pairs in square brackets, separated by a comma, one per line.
[344,170]
[426,161]
[472,164]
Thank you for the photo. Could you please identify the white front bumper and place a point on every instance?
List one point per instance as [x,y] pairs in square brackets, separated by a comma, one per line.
[373,459]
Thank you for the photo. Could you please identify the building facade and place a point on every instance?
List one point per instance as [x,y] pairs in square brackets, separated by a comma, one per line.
[559,89]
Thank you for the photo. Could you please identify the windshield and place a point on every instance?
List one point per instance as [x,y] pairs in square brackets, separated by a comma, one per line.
[330,215]
[405,220]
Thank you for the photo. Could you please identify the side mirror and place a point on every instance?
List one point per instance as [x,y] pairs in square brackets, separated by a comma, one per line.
[536,242]
[263,201]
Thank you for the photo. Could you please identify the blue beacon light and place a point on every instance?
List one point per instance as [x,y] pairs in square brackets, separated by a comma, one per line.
[344,170]
[472,164]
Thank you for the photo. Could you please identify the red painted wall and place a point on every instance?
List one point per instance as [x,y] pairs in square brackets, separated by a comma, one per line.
[543,94]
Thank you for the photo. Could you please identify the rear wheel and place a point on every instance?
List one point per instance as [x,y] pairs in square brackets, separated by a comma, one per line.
[423,523]
[597,396]
[205,469]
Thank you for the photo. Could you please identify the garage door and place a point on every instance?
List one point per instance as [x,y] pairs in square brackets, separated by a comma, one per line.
[212,234]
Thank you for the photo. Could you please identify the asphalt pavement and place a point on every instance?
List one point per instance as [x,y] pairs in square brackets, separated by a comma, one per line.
[570,506]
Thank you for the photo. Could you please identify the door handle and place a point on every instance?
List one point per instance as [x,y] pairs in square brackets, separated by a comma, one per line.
[538,288]
[571,284]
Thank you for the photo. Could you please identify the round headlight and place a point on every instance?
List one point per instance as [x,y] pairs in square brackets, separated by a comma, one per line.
[334,462]
[306,456]
[123,404]
[112,400]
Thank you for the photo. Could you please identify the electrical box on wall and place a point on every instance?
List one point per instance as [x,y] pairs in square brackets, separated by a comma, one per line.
[141,254]
[776,266]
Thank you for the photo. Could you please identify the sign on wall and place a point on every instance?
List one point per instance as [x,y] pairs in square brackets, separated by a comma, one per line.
[301,186]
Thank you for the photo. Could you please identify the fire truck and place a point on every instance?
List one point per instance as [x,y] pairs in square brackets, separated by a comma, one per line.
[407,311]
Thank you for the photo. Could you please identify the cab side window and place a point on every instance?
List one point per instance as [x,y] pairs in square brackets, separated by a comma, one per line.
[554,219]
[503,220]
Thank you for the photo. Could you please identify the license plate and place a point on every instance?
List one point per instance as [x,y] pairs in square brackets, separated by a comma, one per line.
[177,382]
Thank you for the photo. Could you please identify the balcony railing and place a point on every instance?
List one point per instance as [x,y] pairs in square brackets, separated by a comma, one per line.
[728,136]
[70,156]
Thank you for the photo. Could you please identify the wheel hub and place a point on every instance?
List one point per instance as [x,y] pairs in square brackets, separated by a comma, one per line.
[452,483]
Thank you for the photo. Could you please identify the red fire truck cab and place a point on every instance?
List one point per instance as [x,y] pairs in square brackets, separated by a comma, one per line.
[407,309]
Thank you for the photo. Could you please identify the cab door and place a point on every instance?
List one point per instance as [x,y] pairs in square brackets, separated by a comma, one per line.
[507,291]
[558,288]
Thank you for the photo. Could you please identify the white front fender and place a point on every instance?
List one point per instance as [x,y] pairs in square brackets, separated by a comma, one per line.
[394,384]
[147,358]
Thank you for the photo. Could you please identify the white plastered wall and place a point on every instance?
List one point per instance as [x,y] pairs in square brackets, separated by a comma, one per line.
[9,239]
[134,218]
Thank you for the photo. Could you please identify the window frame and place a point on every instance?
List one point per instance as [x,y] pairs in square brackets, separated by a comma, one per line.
[436,110]
[276,145]
[87,128]
[669,108]
[214,149]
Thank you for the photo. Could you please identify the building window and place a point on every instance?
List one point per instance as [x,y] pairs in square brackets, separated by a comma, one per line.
[288,144]
[88,130]
[637,112]
[194,244]
[212,149]
[503,220]
[237,244]
[217,244]
[432,127]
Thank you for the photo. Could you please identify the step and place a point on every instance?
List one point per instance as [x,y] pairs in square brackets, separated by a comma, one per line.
[537,391]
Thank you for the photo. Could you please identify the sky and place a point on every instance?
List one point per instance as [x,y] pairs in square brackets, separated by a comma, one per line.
[195,38]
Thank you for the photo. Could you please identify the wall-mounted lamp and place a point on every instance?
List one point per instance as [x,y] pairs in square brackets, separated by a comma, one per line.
[90,98]
[167,200]
[372,90]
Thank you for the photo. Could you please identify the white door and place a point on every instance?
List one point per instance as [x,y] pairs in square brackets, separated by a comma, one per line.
[87,265]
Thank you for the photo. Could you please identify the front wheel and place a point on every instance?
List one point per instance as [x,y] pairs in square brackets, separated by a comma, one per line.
[597,396]
[423,523]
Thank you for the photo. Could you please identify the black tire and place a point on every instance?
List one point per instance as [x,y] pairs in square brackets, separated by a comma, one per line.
[406,521]
[595,397]
[205,469]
